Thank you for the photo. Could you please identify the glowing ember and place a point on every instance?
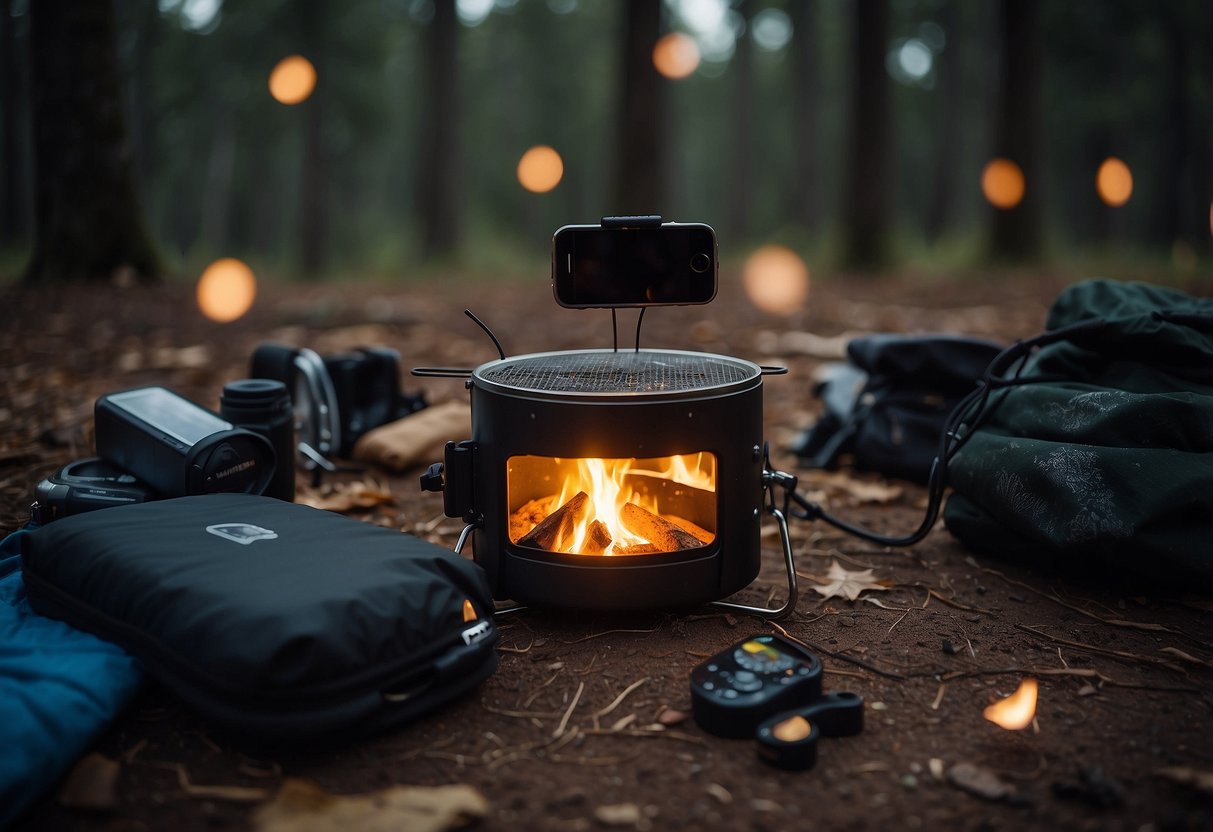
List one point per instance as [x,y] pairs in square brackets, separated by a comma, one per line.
[1017,710]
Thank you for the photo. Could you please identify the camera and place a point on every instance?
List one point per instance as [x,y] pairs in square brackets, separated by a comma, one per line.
[179,448]
[85,485]
[337,398]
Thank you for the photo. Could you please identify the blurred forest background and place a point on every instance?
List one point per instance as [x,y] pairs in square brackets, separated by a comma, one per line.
[145,137]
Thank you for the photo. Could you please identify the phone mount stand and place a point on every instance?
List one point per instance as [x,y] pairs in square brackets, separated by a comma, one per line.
[645,221]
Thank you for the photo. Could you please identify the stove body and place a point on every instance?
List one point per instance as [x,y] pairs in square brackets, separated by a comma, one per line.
[536,418]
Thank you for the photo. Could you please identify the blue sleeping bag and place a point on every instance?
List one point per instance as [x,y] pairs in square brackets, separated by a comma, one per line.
[59,690]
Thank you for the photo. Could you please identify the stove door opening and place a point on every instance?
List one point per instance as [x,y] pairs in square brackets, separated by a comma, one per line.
[612,506]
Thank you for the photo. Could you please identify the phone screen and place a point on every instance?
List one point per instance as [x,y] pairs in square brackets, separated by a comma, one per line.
[672,264]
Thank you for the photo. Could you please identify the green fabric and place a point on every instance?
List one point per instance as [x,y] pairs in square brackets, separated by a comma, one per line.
[1105,464]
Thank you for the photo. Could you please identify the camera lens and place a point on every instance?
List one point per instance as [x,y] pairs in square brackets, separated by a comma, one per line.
[700,263]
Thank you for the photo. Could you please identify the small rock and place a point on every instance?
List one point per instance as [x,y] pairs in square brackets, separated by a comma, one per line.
[979,781]
[935,765]
[619,814]
[909,782]
[92,784]
[720,793]
[730,620]
[671,717]
[950,648]
[1087,690]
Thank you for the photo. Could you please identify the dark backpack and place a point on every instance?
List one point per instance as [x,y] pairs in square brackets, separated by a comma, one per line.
[885,407]
[1101,454]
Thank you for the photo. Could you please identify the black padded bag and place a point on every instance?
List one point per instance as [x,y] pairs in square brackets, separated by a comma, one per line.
[273,619]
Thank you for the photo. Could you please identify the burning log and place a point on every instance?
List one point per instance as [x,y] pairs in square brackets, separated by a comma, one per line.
[597,539]
[529,516]
[637,549]
[656,530]
[557,527]
[700,532]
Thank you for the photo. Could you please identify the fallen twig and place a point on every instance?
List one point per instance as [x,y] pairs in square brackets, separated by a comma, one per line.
[526,649]
[1144,626]
[1082,673]
[888,674]
[619,699]
[1103,651]
[564,721]
[607,633]
[939,696]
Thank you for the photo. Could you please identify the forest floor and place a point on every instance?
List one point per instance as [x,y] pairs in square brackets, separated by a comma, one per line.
[584,725]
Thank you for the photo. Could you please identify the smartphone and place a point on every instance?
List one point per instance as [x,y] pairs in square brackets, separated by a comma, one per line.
[606,267]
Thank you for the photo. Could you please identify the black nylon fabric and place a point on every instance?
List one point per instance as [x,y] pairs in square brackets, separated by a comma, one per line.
[1103,461]
[295,633]
[887,405]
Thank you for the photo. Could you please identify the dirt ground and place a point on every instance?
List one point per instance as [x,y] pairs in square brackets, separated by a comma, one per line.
[1126,688]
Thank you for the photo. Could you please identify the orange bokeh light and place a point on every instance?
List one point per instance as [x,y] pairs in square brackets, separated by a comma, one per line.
[1017,710]
[226,290]
[293,80]
[540,169]
[776,280]
[676,55]
[1002,183]
[1114,182]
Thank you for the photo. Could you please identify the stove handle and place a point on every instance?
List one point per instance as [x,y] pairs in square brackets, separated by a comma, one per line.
[442,372]
[773,370]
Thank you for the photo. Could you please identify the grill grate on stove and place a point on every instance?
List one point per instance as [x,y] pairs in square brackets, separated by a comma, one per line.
[618,372]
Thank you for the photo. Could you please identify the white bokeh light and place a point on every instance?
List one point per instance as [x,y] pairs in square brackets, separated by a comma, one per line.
[772,29]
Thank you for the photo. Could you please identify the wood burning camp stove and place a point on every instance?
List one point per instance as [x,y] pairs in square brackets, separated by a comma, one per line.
[614,480]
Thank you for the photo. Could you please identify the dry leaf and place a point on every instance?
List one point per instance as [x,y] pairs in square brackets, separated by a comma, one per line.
[843,583]
[341,497]
[302,806]
[861,491]
[91,784]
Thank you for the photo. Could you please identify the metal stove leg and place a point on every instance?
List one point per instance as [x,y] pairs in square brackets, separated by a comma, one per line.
[459,544]
[789,563]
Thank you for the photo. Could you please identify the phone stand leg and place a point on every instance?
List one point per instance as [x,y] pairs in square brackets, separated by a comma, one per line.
[789,563]
[459,544]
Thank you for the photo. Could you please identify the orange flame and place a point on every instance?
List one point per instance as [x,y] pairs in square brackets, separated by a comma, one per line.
[1017,710]
[605,482]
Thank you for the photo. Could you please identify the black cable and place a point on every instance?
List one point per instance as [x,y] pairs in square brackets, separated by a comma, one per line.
[974,409]
[487,332]
[614,330]
[639,321]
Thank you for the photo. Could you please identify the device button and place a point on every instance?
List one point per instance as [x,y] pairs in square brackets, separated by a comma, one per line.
[709,686]
[744,676]
[729,693]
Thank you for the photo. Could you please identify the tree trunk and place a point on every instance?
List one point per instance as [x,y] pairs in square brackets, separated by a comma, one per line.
[740,167]
[639,186]
[313,184]
[1017,231]
[803,198]
[13,213]
[1166,225]
[948,121]
[87,219]
[865,213]
[438,188]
